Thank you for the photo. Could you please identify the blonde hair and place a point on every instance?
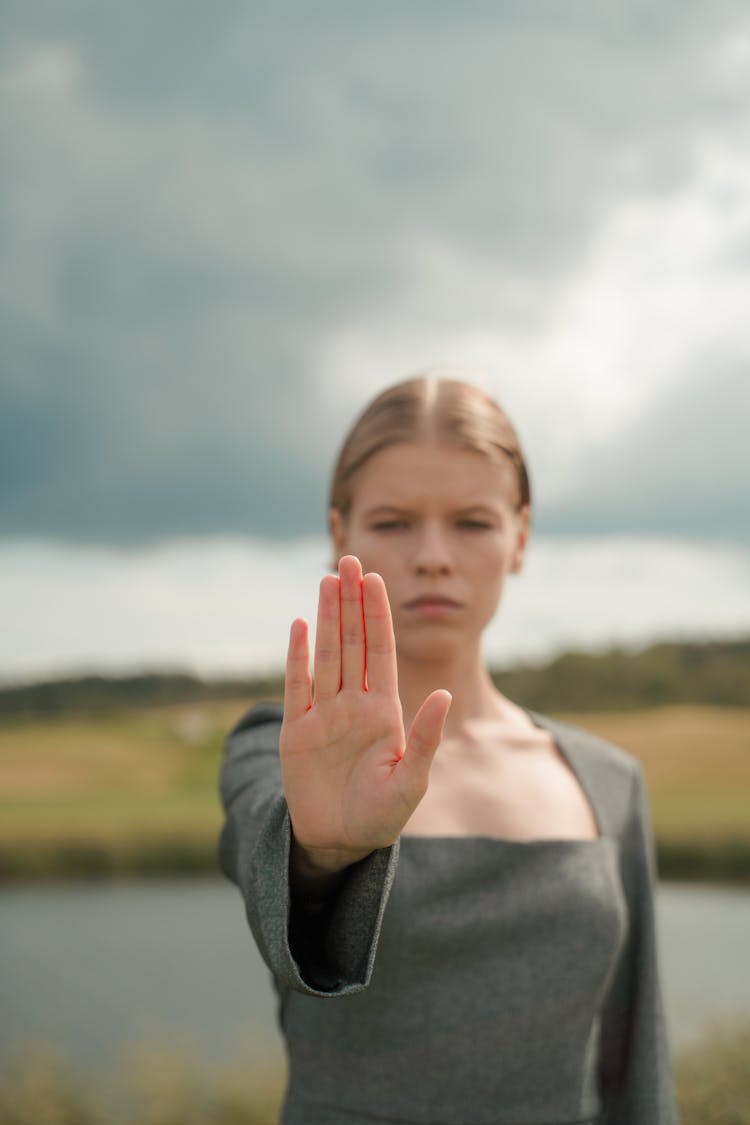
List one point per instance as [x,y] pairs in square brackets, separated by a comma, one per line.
[426,409]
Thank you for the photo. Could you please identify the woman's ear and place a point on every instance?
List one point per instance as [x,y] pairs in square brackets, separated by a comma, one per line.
[524,527]
[337,528]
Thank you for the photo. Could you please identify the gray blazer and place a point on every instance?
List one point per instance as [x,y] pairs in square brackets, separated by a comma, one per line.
[462,981]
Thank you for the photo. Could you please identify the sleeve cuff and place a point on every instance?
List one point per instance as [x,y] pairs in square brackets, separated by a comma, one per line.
[326,953]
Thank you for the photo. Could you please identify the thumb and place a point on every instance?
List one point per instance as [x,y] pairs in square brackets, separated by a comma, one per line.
[424,736]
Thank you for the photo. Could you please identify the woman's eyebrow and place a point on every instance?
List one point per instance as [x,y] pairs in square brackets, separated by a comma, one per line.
[383,509]
[462,510]
[486,509]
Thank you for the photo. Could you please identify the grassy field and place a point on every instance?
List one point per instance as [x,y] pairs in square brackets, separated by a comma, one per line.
[137,792]
[697,764]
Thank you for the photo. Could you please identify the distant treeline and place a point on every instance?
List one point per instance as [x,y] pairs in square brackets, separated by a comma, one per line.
[716,672]
[101,695]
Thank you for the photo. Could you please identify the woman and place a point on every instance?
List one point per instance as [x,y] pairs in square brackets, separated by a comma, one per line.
[480,948]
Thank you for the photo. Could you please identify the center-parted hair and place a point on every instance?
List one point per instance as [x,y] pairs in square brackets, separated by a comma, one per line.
[426,409]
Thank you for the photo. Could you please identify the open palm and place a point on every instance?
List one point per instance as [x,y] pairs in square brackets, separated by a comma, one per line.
[352,777]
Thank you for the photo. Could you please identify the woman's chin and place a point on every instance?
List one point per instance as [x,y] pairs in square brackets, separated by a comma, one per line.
[432,644]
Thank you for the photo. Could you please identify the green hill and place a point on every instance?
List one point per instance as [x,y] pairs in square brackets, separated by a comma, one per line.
[710,672]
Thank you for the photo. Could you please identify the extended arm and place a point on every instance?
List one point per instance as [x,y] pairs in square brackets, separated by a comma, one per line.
[323,951]
[315,807]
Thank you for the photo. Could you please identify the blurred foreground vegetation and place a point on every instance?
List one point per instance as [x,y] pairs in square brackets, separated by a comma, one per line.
[106,777]
[163,1088]
[155,1087]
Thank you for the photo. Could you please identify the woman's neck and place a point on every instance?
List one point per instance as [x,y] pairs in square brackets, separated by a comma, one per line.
[465,677]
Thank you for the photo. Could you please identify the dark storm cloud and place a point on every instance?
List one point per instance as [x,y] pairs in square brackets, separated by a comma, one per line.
[684,464]
[192,197]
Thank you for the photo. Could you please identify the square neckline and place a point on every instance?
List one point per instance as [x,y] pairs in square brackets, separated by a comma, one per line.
[521,842]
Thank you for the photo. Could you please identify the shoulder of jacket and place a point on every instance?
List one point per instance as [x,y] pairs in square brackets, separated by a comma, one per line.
[587,745]
[612,777]
[260,714]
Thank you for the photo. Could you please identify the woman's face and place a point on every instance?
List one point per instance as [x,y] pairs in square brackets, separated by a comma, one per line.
[441,526]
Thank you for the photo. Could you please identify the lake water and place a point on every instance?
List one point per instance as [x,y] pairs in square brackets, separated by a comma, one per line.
[98,969]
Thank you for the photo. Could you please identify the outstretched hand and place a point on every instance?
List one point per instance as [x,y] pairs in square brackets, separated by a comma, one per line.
[352,777]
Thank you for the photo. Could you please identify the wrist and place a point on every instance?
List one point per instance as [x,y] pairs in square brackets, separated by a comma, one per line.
[321,864]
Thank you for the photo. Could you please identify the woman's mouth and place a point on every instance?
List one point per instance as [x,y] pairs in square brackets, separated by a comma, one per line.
[433,605]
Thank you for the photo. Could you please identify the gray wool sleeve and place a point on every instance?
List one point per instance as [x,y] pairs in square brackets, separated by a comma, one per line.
[321,952]
[636,1075]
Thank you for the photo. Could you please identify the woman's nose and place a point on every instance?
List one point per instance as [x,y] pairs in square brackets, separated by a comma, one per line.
[432,553]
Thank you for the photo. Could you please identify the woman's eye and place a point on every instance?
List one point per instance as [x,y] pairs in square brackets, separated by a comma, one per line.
[389,525]
[474,525]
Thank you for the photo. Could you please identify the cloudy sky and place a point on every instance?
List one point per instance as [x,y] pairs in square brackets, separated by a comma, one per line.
[225,227]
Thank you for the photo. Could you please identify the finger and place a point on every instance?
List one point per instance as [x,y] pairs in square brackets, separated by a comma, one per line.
[352,624]
[424,738]
[380,643]
[327,664]
[297,683]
